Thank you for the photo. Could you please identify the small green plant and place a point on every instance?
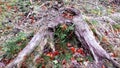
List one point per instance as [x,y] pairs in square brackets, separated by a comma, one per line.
[15,44]
[65,45]
[64,34]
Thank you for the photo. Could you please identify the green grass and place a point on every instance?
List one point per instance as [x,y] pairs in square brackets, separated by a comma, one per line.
[13,45]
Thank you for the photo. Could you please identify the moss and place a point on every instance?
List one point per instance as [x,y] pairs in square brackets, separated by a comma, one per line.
[117,26]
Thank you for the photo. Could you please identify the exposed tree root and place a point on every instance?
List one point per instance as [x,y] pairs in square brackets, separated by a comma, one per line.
[86,37]
[40,38]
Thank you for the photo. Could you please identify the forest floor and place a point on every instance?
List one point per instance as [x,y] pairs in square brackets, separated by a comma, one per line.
[19,22]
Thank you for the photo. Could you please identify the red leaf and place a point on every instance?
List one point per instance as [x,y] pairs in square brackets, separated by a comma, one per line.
[43,66]
[72,49]
[80,50]
[103,66]
[55,53]
[50,54]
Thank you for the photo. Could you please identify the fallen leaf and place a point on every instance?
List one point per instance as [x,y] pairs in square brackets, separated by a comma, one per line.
[51,55]
[69,44]
[104,38]
[55,53]
[72,59]
[0,10]
[39,60]
[9,7]
[112,54]
[103,66]
[72,49]
[80,50]
[43,66]
[63,61]
[64,27]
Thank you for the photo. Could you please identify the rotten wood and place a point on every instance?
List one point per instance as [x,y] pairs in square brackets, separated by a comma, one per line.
[38,39]
[82,31]
[86,37]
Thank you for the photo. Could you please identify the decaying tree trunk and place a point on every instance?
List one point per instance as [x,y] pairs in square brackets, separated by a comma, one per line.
[82,31]
[86,37]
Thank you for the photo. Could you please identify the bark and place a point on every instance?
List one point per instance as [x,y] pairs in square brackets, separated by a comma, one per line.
[43,36]
[86,37]
[82,31]
[39,38]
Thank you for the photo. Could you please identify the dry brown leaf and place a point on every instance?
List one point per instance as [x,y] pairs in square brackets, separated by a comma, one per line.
[104,39]
[64,27]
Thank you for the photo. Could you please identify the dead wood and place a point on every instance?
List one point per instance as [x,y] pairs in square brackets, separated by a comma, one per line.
[82,31]
[38,39]
[86,37]
[43,36]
